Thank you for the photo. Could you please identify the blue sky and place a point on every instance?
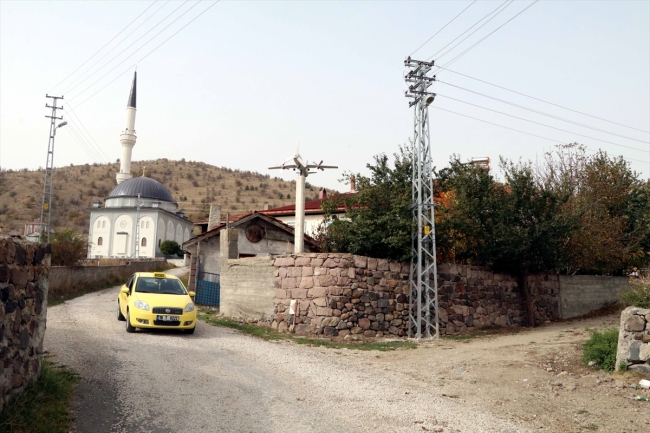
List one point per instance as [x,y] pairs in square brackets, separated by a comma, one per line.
[246,81]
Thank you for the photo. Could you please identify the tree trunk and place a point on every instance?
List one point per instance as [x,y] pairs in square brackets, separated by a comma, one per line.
[528,299]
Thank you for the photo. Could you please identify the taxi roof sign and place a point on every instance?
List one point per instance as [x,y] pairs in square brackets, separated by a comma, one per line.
[159,275]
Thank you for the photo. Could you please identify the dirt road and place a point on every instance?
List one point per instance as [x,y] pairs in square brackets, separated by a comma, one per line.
[219,380]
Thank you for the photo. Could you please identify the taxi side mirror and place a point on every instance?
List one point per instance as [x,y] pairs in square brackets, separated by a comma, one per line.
[124,290]
[192,294]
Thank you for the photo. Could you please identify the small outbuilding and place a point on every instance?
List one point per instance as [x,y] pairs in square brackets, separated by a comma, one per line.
[251,235]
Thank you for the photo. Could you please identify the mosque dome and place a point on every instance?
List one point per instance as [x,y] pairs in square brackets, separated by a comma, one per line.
[145,186]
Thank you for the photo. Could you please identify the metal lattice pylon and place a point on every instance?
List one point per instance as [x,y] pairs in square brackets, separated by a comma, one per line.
[423,282]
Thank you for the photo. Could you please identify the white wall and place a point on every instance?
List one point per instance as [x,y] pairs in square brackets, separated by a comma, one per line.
[101,228]
[311,221]
[122,245]
[147,231]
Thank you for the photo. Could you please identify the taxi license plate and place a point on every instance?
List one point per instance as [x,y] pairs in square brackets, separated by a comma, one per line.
[168,318]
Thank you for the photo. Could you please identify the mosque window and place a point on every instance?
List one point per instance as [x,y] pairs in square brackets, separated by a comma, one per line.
[103,224]
[159,242]
[142,225]
[144,242]
[99,224]
[147,224]
[100,241]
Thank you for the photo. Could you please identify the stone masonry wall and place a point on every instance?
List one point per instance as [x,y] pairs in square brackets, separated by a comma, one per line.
[24,270]
[634,340]
[339,294]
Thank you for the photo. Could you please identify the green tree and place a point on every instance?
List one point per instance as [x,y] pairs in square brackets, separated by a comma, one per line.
[170,248]
[513,227]
[68,247]
[378,218]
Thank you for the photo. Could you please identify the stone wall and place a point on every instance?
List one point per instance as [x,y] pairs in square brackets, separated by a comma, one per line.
[247,288]
[582,294]
[634,340]
[24,268]
[339,294]
[75,279]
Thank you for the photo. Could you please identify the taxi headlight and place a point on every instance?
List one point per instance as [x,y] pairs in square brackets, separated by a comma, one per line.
[189,307]
[141,305]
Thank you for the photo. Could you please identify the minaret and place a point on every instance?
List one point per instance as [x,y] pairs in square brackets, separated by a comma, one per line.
[127,139]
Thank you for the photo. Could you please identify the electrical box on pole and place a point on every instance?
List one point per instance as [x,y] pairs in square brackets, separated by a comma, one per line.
[46,203]
[423,280]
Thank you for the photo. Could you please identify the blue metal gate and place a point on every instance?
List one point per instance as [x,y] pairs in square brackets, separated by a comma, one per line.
[208,289]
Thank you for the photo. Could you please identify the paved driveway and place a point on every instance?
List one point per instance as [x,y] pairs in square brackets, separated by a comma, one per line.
[219,380]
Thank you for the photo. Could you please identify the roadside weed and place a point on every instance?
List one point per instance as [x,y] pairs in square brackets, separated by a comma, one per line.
[43,406]
[601,348]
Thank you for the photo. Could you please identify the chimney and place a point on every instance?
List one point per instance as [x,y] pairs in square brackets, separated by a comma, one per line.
[353,185]
[215,216]
[322,194]
[267,206]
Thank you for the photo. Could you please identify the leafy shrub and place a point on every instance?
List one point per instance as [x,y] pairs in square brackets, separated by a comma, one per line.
[636,295]
[601,348]
[170,248]
[68,247]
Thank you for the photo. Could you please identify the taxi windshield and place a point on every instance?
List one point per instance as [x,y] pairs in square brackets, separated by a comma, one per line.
[163,286]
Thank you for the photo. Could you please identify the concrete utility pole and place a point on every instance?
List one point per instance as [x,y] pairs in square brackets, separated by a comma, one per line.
[423,292]
[46,203]
[296,164]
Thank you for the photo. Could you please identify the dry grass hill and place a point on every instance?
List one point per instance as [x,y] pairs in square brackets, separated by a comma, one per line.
[194,186]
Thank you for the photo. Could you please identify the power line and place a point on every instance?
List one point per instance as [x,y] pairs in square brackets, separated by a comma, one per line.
[543,124]
[83,145]
[479,28]
[96,146]
[538,99]
[443,27]
[134,42]
[488,35]
[516,130]
[149,53]
[540,112]
[96,52]
[471,27]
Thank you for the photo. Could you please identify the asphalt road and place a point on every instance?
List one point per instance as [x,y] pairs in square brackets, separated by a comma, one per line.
[219,380]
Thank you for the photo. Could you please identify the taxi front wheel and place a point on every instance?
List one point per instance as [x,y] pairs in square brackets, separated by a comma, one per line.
[129,328]
[120,316]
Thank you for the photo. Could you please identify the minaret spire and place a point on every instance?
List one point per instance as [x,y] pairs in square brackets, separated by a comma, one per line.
[128,137]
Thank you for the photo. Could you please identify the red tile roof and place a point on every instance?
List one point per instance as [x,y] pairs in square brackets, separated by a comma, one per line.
[312,206]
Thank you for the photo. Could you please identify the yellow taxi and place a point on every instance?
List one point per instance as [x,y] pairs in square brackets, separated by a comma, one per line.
[156,300]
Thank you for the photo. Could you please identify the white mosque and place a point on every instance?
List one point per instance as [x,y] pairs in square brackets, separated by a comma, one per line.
[139,214]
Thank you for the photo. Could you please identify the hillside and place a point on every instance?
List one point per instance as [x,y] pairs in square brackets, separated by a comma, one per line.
[194,186]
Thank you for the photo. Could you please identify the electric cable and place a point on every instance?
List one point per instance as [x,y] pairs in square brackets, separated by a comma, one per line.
[479,28]
[148,54]
[488,35]
[96,145]
[134,42]
[543,124]
[96,52]
[538,99]
[540,112]
[443,27]
[470,28]
[516,130]
[75,135]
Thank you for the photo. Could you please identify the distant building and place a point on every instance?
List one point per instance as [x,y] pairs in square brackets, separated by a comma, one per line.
[314,214]
[139,214]
[255,234]
[32,227]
